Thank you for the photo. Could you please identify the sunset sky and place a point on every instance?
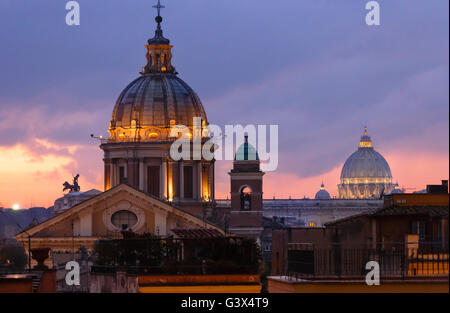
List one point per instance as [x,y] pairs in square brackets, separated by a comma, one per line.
[313,67]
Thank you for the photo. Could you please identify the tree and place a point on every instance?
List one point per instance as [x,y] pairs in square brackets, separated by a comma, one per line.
[13,258]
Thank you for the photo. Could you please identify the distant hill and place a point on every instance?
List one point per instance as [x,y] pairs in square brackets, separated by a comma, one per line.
[12,222]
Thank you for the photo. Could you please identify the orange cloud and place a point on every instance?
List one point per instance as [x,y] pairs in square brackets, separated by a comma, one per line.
[30,179]
[415,170]
[35,180]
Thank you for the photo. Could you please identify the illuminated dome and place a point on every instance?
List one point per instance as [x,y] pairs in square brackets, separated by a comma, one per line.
[157,100]
[322,194]
[365,174]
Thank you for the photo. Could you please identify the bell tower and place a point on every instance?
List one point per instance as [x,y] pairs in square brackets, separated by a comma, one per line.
[246,214]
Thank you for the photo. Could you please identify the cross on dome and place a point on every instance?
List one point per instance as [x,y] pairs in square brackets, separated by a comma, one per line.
[159,7]
[159,38]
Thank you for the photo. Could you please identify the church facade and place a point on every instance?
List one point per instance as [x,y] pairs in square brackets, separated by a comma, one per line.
[105,216]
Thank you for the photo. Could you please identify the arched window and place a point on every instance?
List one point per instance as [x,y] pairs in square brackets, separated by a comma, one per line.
[124,219]
[246,198]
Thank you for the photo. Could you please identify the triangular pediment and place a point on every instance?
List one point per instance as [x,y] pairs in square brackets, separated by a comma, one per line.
[95,213]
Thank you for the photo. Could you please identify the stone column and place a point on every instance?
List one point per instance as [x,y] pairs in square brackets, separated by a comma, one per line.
[171,180]
[211,180]
[163,184]
[181,180]
[107,180]
[111,174]
[141,174]
[194,180]
[199,180]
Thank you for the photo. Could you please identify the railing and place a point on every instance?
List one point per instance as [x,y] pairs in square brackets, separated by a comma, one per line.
[207,269]
[177,256]
[396,260]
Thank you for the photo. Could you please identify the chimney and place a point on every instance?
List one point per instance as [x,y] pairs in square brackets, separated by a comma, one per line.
[445,184]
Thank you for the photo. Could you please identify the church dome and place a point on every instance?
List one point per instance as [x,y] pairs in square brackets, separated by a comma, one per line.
[366,162]
[322,194]
[156,99]
[365,174]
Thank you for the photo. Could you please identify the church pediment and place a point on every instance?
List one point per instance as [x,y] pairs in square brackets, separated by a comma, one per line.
[118,209]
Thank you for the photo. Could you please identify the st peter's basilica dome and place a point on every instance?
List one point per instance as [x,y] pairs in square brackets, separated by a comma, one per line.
[365,174]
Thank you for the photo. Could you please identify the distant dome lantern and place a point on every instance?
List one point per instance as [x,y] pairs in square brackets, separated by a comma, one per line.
[366,141]
[322,194]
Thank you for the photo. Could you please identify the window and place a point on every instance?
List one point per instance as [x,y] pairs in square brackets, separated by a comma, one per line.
[124,219]
[246,198]
[311,224]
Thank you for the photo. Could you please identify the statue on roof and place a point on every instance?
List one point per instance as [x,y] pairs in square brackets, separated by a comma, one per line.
[75,187]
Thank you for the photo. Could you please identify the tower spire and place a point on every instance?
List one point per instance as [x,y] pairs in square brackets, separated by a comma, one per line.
[159,54]
[159,38]
[366,141]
